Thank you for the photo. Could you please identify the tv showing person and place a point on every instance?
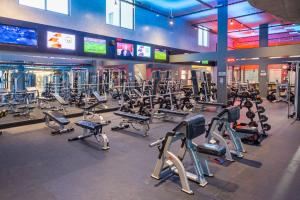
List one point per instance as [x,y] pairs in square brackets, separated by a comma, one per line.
[140,51]
[125,50]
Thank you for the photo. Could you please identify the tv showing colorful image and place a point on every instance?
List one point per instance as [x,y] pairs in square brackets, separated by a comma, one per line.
[60,40]
[17,35]
[125,50]
[143,51]
[94,45]
[160,54]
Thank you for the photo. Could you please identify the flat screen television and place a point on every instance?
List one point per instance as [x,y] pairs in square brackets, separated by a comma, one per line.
[143,51]
[58,40]
[125,50]
[160,54]
[17,35]
[94,45]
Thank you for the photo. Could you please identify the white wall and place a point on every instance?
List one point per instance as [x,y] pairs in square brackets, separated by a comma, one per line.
[89,16]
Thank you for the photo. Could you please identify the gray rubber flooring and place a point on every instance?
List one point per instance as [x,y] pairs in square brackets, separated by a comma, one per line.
[35,165]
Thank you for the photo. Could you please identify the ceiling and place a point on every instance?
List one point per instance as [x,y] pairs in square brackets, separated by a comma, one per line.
[244,19]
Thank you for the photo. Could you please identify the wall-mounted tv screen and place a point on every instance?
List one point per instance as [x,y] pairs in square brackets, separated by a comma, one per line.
[94,45]
[125,50]
[17,35]
[143,51]
[60,40]
[160,54]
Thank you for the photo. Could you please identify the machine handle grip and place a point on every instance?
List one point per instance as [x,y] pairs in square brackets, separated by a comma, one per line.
[156,143]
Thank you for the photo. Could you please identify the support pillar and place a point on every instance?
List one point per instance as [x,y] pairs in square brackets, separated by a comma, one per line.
[263,67]
[222,51]
[131,75]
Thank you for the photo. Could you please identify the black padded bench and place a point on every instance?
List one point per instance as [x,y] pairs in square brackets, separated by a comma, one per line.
[211,149]
[173,112]
[132,116]
[246,129]
[131,119]
[211,104]
[92,129]
[58,120]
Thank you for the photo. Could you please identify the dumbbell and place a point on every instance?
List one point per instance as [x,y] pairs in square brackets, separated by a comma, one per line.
[3,113]
[250,114]
[248,104]
[266,127]
[261,109]
[258,100]
[253,124]
[263,118]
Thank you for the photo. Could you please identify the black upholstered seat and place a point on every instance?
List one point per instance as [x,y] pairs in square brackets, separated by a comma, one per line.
[58,117]
[246,130]
[211,149]
[89,125]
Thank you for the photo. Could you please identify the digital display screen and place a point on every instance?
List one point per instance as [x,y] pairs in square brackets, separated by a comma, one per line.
[93,45]
[160,54]
[143,51]
[17,35]
[125,50]
[60,40]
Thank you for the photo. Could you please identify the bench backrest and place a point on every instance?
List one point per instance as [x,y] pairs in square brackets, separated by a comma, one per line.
[232,112]
[192,127]
[98,97]
[59,99]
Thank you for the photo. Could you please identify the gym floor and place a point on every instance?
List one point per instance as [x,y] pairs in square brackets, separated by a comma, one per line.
[35,165]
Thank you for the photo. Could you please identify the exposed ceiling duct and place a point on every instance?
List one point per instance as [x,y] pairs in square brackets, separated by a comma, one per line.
[288,10]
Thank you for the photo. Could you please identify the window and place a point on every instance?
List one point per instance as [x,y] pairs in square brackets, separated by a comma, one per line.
[203,39]
[33,3]
[120,13]
[59,6]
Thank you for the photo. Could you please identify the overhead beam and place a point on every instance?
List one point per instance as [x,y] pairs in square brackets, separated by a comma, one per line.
[267,61]
[145,8]
[277,51]
[206,4]
[215,7]
[236,17]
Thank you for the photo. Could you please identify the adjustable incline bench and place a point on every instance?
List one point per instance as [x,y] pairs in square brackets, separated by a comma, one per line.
[92,129]
[185,132]
[57,121]
[61,102]
[131,119]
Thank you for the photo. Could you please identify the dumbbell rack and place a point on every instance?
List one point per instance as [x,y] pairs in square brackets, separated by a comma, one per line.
[262,119]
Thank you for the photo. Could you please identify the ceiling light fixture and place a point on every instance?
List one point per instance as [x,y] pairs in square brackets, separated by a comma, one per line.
[171,19]
[231,22]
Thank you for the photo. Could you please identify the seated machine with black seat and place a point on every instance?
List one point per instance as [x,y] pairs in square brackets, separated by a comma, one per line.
[132,119]
[92,129]
[220,127]
[185,132]
[57,121]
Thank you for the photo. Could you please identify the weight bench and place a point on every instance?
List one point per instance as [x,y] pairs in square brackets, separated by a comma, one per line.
[184,133]
[57,121]
[167,114]
[220,126]
[131,119]
[100,99]
[92,129]
[202,105]
[62,102]
[24,110]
